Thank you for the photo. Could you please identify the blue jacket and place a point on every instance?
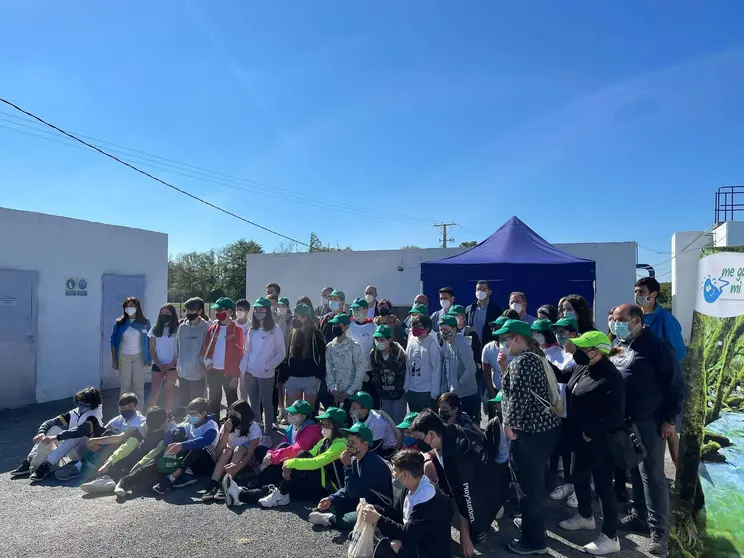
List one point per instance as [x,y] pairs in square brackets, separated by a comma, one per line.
[369,478]
[117,334]
[663,324]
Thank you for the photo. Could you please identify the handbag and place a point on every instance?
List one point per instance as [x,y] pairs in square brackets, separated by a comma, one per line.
[362,537]
[626,447]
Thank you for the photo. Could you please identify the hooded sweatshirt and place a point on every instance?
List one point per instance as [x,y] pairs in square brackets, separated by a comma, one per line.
[663,324]
[389,374]
[458,367]
[424,366]
[189,341]
[362,334]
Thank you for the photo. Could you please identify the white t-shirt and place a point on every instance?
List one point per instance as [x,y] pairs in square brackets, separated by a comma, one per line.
[199,431]
[119,425]
[218,356]
[165,345]
[381,430]
[555,355]
[245,327]
[131,343]
[362,334]
[490,356]
[235,440]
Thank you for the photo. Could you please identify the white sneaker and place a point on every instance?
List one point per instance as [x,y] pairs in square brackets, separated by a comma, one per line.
[275,499]
[573,501]
[120,491]
[231,490]
[99,485]
[576,523]
[320,518]
[562,492]
[500,513]
[603,545]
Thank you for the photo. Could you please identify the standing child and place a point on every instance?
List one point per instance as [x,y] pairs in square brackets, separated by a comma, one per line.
[361,330]
[389,373]
[189,342]
[163,351]
[130,347]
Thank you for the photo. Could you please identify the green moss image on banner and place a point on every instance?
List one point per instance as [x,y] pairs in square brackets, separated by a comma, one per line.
[708,500]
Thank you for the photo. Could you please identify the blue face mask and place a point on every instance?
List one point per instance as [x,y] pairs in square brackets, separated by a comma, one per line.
[128,415]
[409,441]
[571,315]
[82,409]
[621,330]
[194,420]
[334,305]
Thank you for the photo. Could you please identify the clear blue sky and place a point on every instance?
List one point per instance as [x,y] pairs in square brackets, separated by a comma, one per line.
[589,120]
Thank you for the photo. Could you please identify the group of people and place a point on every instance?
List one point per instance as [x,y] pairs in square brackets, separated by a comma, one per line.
[435,421]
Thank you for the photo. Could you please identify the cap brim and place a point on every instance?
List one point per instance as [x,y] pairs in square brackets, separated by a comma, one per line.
[404,425]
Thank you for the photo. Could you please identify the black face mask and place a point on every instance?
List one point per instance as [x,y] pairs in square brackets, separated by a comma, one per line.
[164,319]
[445,415]
[337,330]
[581,358]
[192,317]
[296,323]
[235,419]
[384,311]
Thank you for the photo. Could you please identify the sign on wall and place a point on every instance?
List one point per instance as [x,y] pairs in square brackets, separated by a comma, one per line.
[8,300]
[75,286]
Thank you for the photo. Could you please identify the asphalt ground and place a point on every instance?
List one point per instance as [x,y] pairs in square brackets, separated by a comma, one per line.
[55,519]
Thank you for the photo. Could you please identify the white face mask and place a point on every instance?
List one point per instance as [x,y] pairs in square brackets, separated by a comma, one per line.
[369,298]
[481,295]
[516,307]
[445,304]
[324,300]
[282,311]
[380,345]
[240,314]
[327,432]
[130,311]
[540,338]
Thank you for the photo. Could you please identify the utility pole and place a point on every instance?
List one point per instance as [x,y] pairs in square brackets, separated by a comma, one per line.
[443,227]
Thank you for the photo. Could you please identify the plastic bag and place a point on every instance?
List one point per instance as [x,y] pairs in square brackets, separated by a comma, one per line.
[362,537]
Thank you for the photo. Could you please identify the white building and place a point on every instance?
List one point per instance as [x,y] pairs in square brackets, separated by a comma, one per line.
[397,273]
[62,282]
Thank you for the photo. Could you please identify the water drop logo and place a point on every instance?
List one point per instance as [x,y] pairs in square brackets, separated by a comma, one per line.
[713,288]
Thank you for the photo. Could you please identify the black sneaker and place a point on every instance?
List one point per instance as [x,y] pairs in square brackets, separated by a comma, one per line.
[219,496]
[23,470]
[634,524]
[659,543]
[163,486]
[41,473]
[518,547]
[185,480]
[211,492]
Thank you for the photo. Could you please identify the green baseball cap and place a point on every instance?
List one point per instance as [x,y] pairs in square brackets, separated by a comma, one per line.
[364,399]
[263,302]
[498,398]
[340,319]
[301,407]
[283,300]
[419,309]
[359,429]
[383,331]
[566,323]
[541,325]
[303,310]
[223,303]
[406,424]
[500,321]
[360,303]
[338,294]
[457,309]
[448,320]
[594,340]
[515,327]
[335,414]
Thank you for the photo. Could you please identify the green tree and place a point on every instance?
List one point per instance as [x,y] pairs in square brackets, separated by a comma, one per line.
[231,266]
[410,247]
[317,246]
[468,243]
[665,296]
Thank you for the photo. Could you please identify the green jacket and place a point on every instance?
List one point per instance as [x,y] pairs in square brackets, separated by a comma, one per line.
[327,460]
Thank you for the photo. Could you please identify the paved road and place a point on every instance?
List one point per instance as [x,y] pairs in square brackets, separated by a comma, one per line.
[56,520]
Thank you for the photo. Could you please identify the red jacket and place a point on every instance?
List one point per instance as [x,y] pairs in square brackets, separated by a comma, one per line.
[233,346]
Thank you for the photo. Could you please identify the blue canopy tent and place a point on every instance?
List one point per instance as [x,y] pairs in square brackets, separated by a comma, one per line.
[514,258]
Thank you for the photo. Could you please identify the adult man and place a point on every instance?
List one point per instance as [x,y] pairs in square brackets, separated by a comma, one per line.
[467,473]
[366,476]
[418,524]
[658,319]
[336,305]
[324,307]
[446,301]
[655,392]
[370,295]
[418,300]
[482,312]
[273,289]
[518,303]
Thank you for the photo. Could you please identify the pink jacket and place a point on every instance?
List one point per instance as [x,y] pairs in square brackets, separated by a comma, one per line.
[305,440]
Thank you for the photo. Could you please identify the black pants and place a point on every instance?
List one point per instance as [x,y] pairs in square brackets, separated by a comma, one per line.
[200,461]
[369,387]
[304,485]
[529,455]
[384,550]
[217,382]
[563,453]
[593,460]
[142,476]
[188,390]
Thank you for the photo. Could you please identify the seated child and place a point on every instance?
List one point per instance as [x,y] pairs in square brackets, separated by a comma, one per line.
[366,475]
[386,435]
[408,441]
[310,475]
[133,445]
[239,438]
[63,437]
[418,524]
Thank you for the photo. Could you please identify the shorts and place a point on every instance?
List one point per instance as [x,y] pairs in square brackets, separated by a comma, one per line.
[308,386]
[172,372]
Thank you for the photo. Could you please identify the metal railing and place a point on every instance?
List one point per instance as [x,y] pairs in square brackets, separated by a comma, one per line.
[727,204]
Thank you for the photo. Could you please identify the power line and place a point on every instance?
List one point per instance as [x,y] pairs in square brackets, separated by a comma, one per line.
[685,249]
[147,174]
[443,227]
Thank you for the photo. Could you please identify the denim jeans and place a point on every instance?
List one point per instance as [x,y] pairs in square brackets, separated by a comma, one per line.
[396,408]
[650,488]
[528,458]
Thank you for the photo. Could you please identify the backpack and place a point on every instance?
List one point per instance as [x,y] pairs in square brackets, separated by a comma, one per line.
[555,404]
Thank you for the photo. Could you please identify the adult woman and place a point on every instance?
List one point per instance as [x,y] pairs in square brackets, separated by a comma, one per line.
[596,406]
[305,364]
[221,354]
[264,351]
[547,312]
[576,307]
[449,410]
[385,317]
[130,348]
[532,428]
[164,357]
[545,337]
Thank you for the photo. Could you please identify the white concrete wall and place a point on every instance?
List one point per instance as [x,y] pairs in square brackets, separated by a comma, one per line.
[730,233]
[685,257]
[69,328]
[308,273]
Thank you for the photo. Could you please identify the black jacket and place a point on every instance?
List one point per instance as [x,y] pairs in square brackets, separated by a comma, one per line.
[389,376]
[492,312]
[428,527]
[311,367]
[468,470]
